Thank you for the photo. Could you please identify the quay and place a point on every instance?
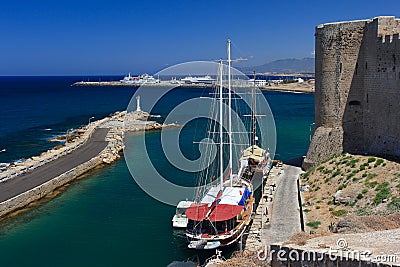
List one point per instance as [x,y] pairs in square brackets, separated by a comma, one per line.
[97,144]
[278,214]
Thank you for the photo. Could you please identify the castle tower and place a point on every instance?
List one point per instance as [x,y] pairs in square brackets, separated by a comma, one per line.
[356,92]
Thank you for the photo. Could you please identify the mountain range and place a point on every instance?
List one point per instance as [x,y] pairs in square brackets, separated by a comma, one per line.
[290,65]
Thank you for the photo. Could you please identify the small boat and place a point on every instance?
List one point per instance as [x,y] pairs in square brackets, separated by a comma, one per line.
[180,220]
[203,244]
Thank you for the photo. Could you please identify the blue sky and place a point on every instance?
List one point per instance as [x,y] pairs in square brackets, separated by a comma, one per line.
[114,37]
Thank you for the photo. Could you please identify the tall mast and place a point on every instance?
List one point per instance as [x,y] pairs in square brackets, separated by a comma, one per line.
[253,116]
[230,112]
[221,152]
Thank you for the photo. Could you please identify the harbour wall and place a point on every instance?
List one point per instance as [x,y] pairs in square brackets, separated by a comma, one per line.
[357,100]
[118,124]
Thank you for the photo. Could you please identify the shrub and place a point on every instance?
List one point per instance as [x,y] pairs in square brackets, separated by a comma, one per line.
[364,175]
[321,168]
[381,186]
[384,193]
[317,207]
[306,210]
[378,162]
[338,213]
[336,173]
[371,184]
[362,168]
[330,209]
[394,205]
[364,191]
[359,196]
[372,159]
[314,224]
[340,187]
[370,176]
[330,202]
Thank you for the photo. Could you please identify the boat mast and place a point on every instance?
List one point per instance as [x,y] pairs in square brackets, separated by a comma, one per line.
[230,112]
[253,116]
[221,155]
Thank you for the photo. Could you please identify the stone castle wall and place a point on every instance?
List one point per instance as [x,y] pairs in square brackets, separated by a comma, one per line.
[357,89]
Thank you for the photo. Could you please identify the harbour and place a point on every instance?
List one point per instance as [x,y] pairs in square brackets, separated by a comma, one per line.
[81,202]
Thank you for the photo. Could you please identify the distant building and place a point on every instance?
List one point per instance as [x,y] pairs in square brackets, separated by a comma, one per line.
[258,82]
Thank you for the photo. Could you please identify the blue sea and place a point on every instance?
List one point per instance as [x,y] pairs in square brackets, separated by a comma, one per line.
[105,219]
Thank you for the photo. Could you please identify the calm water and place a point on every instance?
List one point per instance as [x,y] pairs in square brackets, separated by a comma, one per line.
[105,219]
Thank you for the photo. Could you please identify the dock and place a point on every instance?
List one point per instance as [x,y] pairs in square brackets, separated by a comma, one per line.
[98,143]
[277,215]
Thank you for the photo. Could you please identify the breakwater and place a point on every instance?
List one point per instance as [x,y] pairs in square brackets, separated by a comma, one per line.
[98,143]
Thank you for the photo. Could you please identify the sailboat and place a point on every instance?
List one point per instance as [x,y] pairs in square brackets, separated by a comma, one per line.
[224,211]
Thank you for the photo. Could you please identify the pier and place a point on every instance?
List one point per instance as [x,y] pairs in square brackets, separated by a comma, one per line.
[277,215]
[96,144]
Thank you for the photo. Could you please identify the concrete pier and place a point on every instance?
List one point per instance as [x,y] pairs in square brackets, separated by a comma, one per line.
[277,216]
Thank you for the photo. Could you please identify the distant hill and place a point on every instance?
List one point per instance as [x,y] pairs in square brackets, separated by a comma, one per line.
[291,65]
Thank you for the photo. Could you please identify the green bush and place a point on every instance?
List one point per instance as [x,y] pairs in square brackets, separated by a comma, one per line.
[394,205]
[372,159]
[359,196]
[378,162]
[364,175]
[362,168]
[317,207]
[306,210]
[330,202]
[384,193]
[364,191]
[381,186]
[338,213]
[370,176]
[314,224]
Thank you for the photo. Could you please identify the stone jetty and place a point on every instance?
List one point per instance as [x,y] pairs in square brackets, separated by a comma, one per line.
[96,144]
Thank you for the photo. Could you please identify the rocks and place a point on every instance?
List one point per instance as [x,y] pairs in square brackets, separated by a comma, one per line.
[341,198]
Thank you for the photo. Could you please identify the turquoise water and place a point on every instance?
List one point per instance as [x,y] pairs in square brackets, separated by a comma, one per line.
[105,219]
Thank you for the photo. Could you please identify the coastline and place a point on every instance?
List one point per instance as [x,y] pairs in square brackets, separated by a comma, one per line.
[307,87]
[105,136]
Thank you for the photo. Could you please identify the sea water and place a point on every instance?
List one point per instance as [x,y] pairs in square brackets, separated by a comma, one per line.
[105,219]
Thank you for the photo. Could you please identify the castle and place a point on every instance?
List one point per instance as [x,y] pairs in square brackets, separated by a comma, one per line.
[357,89]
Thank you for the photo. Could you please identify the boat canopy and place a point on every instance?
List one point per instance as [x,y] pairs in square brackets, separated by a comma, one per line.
[224,212]
[227,206]
[197,211]
[230,195]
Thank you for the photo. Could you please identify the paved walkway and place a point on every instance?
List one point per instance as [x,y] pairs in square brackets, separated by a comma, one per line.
[42,174]
[285,214]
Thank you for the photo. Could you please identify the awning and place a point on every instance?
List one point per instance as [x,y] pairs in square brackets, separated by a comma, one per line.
[197,212]
[224,212]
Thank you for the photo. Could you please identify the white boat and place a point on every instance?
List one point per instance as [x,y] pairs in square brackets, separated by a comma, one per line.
[142,79]
[224,211]
[180,220]
[198,80]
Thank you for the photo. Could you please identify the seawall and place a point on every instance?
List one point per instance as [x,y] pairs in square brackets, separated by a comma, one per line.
[99,144]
